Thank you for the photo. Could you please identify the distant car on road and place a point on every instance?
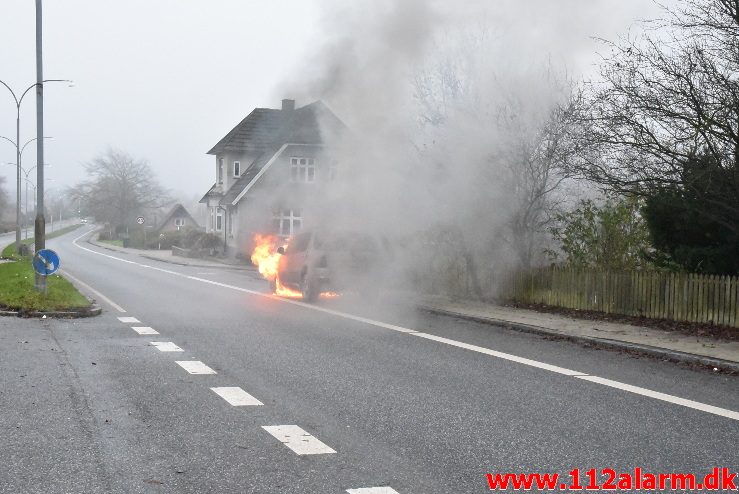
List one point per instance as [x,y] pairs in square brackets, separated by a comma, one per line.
[83,220]
[317,262]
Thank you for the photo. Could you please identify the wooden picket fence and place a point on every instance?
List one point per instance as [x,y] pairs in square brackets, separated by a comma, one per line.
[674,296]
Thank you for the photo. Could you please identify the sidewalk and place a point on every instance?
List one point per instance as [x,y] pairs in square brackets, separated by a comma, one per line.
[667,345]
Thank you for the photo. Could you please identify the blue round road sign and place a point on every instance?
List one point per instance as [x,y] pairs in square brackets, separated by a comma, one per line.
[46,262]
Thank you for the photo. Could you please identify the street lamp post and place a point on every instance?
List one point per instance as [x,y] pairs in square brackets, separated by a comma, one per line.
[26,173]
[19,149]
[25,214]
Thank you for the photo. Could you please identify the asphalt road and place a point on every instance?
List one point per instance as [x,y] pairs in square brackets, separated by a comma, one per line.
[390,397]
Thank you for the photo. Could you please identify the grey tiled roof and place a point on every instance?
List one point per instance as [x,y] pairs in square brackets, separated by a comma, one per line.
[265,127]
[176,208]
[212,192]
[248,176]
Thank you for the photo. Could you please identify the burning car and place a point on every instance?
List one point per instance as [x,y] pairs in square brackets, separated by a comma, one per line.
[314,264]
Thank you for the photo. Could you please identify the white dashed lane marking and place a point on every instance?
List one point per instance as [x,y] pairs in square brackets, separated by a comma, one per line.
[128,320]
[144,330]
[166,346]
[298,440]
[373,490]
[236,396]
[195,367]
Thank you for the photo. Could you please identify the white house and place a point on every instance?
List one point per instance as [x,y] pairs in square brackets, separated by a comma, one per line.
[269,172]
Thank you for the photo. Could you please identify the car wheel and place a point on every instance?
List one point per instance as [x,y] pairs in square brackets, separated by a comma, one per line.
[308,288]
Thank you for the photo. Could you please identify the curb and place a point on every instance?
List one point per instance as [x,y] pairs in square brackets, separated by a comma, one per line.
[92,311]
[652,351]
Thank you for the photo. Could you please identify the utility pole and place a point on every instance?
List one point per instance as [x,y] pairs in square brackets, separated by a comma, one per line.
[40,224]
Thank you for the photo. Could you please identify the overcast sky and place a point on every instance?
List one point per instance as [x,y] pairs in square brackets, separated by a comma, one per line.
[165,79]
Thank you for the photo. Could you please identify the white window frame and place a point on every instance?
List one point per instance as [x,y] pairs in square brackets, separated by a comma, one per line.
[292,218]
[302,169]
[179,222]
[236,169]
[219,176]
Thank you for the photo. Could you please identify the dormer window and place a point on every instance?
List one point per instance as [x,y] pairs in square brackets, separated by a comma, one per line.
[237,168]
[303,169]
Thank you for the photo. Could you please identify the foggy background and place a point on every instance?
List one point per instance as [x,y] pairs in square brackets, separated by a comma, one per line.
[165,80]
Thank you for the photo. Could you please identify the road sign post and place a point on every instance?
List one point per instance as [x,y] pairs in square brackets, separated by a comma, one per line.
[45,262]
[140,220]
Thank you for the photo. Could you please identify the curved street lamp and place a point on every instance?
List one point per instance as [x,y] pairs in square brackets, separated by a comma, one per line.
[19,149]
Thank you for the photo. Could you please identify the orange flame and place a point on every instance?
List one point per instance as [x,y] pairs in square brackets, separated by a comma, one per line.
[267,259]
[265,255]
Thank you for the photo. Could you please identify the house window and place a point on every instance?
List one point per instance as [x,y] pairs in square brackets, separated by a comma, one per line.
[287,222]
[179,222]
[237,168]
[220,171]
[303,170]
[219,222]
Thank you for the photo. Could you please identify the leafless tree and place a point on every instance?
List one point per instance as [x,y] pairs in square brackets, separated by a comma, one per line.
[665,98]
[527,145]
[120,188]
[537,161]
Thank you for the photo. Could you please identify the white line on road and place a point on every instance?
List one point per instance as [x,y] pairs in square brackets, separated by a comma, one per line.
[663,397]
[373,490]
[166,346]
[298,440]
[144,330]
[128,320]
[195,367]
[521,360]
[91,289]
[236,396]
[506,356]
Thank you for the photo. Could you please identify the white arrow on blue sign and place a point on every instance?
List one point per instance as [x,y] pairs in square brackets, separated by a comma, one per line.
[46,262]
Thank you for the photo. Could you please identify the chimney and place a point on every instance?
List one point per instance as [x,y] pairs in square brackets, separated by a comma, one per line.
[288,104]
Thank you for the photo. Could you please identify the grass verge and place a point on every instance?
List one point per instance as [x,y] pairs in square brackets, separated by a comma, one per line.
[17,290]
[118,243]
[9,251]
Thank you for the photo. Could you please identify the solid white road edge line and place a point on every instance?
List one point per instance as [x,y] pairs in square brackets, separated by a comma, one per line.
[662,396]
[236,396]
[298,440]
[373,490]
[95,292]
[195,367]
[505,356]
[723,412]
